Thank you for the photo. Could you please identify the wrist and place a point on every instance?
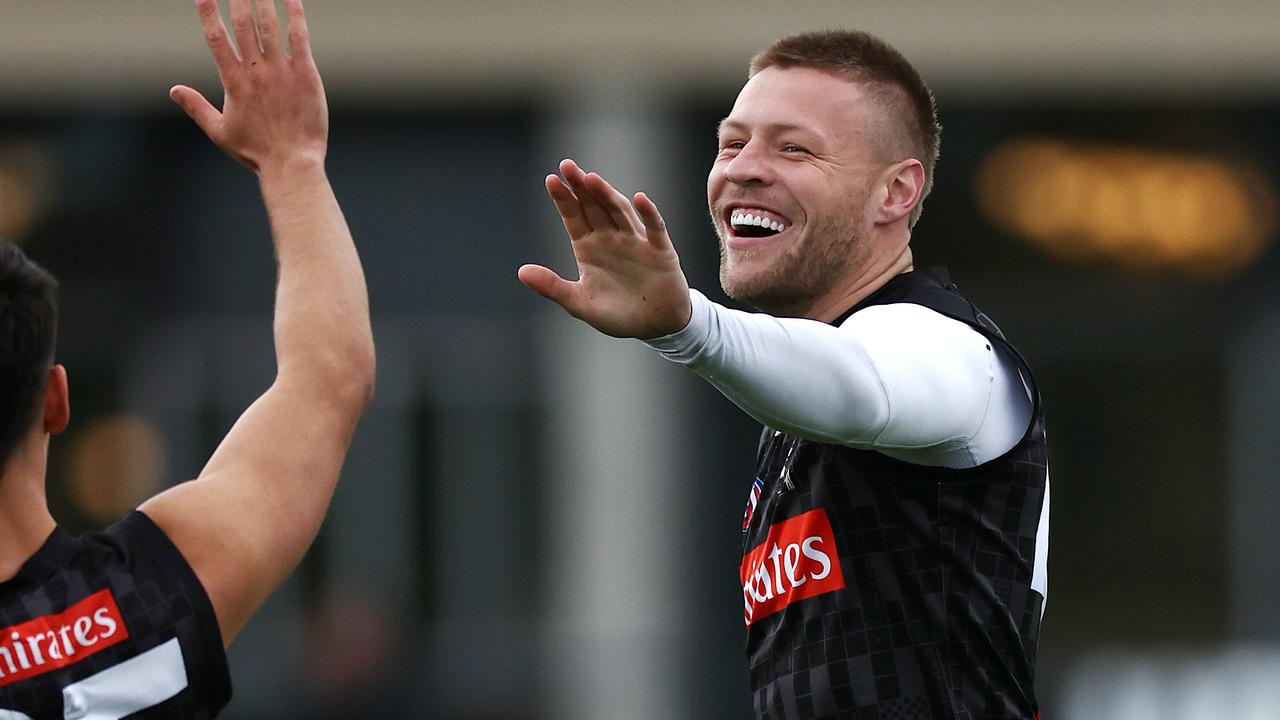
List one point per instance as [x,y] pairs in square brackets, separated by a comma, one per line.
[680,320]
[292,168]
[690,337]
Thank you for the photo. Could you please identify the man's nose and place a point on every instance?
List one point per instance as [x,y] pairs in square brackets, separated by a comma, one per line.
[750,166]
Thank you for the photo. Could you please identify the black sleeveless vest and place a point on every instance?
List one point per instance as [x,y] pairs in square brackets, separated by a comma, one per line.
[877,588]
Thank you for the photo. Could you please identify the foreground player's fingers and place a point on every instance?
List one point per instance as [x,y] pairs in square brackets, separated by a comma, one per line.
[596,214]
[205,115]
[575,222]
[243,27]
[548,284]
[613,202]
[268,27]
[655,227]
[215,35]
[571,171]
[299,35]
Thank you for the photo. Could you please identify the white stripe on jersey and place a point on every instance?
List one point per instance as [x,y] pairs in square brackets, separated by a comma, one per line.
[1040,574]
[135,684]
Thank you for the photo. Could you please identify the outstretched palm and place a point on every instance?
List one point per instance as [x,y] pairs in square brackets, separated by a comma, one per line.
[629,278]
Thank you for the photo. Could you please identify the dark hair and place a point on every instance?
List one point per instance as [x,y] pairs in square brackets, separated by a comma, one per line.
[866,58]
[28,327]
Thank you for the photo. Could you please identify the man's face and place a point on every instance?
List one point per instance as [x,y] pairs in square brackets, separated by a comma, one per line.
[789,189]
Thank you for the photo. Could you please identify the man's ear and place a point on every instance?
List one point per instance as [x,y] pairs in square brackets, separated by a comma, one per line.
[57,401]
[902,185]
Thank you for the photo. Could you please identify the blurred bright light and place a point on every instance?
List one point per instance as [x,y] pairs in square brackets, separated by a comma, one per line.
[26,180]
[1139,208]
[117,462]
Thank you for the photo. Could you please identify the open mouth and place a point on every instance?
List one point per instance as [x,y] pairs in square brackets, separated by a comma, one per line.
[754,222]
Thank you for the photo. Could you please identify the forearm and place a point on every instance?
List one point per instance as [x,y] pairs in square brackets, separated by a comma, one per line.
[323,337]
[790,374]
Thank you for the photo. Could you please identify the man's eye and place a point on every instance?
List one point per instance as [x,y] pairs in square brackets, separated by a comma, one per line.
[793,148]
[732,145]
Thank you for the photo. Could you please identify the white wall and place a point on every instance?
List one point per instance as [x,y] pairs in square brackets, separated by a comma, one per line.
[72,51]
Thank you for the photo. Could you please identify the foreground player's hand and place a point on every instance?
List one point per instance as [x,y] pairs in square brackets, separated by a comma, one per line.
[629,278]
[273,110]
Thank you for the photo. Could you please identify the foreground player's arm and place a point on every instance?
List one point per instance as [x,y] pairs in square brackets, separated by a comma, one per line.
[903,379]
[244,523]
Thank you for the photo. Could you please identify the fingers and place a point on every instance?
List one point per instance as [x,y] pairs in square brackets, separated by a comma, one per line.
[587,202]
[655,227]
[215,34]
[614,203]
[246,33]
[299,35]
[597,215]
[605,207]
[205,115]
[551,286]
[268,27]
[575,222]
[570,170]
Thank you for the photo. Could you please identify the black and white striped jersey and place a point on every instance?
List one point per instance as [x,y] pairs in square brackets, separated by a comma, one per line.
[881,589]
[109,625]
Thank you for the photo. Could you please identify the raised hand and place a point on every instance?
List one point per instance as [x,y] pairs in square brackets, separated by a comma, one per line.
[629,279]
[274,110]
[244,523]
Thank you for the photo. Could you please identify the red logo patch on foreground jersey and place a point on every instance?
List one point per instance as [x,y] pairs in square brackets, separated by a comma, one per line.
[47,643]
[796,561]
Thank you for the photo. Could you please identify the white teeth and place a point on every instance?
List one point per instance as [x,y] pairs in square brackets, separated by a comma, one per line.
[741,218]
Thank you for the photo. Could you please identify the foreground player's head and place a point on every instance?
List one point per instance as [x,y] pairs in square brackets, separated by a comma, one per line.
[824,162]
[28,327]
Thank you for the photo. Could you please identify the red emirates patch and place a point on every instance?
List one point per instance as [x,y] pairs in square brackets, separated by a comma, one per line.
[47,643]
[796,561]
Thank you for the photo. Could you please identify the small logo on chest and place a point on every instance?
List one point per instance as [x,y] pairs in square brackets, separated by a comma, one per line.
[796,561]
[752,500]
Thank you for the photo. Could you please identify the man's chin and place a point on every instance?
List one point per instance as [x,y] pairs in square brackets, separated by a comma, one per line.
[774,290]
[750,289]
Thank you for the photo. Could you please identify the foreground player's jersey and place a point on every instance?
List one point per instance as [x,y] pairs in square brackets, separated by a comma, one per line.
[109,625]
[882,590]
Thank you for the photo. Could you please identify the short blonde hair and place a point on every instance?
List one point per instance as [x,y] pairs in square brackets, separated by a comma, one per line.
[865,58]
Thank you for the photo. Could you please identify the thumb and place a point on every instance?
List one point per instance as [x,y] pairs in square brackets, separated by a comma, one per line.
[197,108]
[549,285]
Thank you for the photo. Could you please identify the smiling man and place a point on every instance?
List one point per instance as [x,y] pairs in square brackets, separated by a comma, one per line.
[895,537]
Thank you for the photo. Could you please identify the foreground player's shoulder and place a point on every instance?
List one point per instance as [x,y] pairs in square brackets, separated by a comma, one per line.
[111,622]
[912,325]
[167,588]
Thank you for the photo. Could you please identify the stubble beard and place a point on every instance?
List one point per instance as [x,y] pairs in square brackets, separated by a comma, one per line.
[806,270]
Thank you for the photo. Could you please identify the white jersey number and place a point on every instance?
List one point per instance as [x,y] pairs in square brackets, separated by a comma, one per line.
[132,686]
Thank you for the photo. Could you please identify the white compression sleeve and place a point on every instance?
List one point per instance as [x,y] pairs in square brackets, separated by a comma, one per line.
[900,379]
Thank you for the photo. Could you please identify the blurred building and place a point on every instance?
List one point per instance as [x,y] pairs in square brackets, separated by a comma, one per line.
[539,522]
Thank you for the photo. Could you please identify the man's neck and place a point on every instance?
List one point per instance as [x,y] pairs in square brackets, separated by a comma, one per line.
[25,522]
[874,276]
